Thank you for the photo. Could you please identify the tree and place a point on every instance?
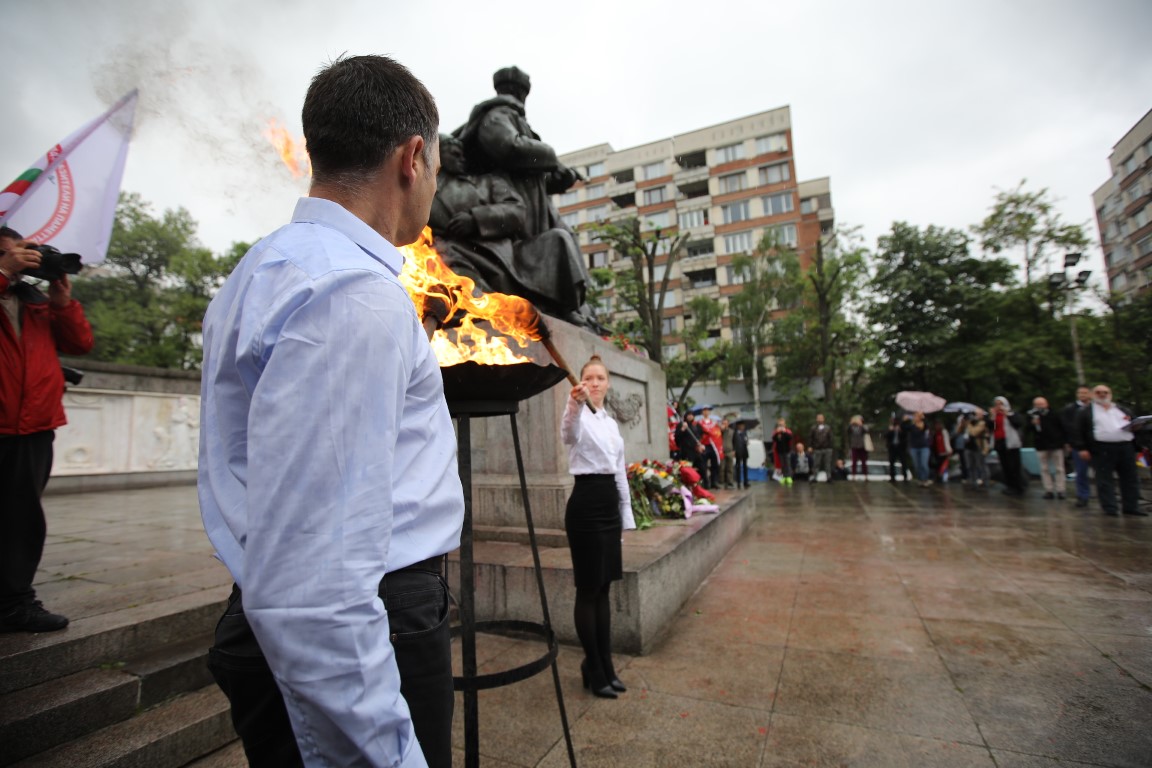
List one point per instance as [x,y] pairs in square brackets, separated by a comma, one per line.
[643,286]
[930,293]
[147,302]
[705,353]
[1028,220]
[770,283]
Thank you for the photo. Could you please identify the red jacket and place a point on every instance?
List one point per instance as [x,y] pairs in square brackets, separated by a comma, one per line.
[31,384]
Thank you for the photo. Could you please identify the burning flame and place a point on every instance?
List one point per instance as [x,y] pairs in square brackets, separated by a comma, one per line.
[292,151]
[426,275]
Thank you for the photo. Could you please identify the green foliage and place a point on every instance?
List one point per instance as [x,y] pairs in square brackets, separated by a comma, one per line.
[147,302]
[705,355]
[1027,220]
[643,285]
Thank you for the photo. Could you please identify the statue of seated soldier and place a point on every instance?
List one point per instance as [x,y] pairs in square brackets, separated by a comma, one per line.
[478,227]
[498,145]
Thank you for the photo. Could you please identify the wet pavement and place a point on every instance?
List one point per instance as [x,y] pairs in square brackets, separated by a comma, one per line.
[854,624]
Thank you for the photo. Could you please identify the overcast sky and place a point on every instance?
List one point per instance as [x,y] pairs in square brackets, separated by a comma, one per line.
[918,111]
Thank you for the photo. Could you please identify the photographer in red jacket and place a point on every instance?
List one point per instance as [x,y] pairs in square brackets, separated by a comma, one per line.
[33,328]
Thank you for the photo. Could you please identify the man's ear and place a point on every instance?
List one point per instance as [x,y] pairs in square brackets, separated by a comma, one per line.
[411,155]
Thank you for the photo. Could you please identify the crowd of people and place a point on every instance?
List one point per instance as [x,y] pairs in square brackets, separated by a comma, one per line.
[1089,437]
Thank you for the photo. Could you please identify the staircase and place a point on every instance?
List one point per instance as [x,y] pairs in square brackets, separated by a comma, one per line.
[129,688]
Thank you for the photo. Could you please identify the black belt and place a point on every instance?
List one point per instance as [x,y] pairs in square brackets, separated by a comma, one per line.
[431,565]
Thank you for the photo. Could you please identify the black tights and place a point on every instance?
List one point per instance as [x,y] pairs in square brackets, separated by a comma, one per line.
[593,616]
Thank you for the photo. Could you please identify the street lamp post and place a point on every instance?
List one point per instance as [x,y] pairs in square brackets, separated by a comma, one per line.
[1060,281]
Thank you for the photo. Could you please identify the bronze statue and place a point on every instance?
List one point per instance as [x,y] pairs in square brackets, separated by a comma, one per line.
[510,173]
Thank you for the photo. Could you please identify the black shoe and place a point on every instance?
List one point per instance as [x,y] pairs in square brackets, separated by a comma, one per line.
[1060,496]
[1081,503]
[605,693]
[1137,513]
[1048,495]
[1112,514]
[616,685]
[31,617]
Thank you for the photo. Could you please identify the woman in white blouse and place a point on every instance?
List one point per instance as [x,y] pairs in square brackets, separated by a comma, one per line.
[598,510]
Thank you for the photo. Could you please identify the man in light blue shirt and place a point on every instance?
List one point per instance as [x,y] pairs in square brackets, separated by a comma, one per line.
[328,480]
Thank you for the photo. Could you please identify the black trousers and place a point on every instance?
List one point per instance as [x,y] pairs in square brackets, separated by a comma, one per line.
[1010,466]
[741,472]
[417,604]
[1121,459]
[896,456]
[25,464]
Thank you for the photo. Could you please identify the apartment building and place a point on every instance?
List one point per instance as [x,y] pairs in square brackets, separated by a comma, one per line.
[726,185]
[1124,212]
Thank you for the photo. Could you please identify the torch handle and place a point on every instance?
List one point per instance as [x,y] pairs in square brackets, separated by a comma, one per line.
[546,340]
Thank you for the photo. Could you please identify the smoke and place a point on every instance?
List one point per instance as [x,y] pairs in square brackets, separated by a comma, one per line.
[202,107]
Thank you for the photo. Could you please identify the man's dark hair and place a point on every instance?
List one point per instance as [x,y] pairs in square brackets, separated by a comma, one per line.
[358,110]
[10,233]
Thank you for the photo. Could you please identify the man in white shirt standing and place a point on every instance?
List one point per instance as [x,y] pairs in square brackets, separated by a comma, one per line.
[1102,437]
[328,480]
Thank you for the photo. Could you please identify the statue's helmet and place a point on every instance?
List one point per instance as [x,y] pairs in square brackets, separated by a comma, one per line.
[512,76]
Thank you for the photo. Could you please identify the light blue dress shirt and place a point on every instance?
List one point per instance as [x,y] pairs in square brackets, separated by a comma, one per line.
[327,458]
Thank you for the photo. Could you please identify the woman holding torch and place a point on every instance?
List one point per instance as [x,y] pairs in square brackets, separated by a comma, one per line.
[599,509]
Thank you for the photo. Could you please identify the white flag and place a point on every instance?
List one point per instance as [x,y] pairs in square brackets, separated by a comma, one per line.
[68,197]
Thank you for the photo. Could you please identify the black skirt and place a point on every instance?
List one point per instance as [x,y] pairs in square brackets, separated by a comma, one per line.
[592,521]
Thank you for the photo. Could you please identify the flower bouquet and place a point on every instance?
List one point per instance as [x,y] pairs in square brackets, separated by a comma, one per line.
[657,490]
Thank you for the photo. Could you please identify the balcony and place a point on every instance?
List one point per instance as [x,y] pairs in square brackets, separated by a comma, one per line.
[618,188]
[691,175]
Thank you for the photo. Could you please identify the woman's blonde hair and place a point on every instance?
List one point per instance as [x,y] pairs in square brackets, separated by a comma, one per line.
[594,360]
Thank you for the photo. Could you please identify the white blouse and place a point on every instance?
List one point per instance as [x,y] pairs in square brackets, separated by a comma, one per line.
[595,447]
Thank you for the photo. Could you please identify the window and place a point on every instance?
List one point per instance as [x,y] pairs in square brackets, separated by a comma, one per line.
[735,276]
[653,171]
[1130,164]
[671,298]
[653,196]
[703,278]
[700,248]
[734,212]
[570,219]
[658,220]
[785,234]
[671,351]
[697,218]
[733,182]
[605,305]
[809,205]
[597,259]
[777,142]
[777,204]
[568,198]
[729,153]
[1141,217]
[740,242]
[774,174]
[594,170]
[710,340]
[624,176]
[668,326]
[597,213]
[593,191]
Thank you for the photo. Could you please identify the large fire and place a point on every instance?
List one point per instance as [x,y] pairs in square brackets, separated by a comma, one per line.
[291,149]
[425,274]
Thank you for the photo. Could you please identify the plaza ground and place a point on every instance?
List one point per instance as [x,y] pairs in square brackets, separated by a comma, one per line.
[853,624]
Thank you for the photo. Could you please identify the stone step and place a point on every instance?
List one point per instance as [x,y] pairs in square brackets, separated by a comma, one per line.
[30,659]
[57,711]
[230,756]
[170,735]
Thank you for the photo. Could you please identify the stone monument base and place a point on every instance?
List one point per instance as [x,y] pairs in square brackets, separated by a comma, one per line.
[663,567]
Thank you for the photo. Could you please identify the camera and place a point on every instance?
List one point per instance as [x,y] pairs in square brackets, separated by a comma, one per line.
[1037,412]
[53,264]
